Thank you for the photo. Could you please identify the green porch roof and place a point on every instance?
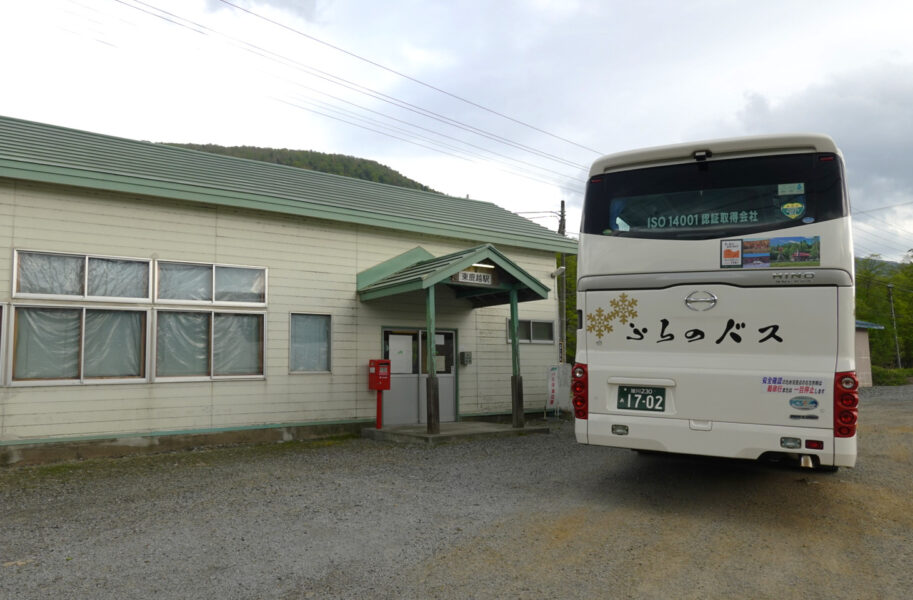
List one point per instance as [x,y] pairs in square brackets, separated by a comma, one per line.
[417,270]
[50,154]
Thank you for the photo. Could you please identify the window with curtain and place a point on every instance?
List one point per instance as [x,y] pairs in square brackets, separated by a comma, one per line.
[238,284]
[182,344]
[237,342]
[182,281]
[207,344]
[115,344]
[211,283]
[310,343]
[75,341]
[52,274]
[118,278]
[78,344]
[80,275]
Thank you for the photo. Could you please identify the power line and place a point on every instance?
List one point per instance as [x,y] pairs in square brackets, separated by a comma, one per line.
[862,212]
[443,135]
[342,120]
[174,19]
[893,225]
[412,79]
[882,241]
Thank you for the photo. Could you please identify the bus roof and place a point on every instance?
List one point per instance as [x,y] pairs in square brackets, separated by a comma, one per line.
[714,149]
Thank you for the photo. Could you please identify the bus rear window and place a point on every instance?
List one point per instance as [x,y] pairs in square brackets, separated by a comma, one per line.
[723,198]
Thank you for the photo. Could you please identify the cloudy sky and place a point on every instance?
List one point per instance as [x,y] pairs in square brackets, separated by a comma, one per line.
[506,101]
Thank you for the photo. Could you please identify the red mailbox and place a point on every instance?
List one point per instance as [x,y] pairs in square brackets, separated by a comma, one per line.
[379,374]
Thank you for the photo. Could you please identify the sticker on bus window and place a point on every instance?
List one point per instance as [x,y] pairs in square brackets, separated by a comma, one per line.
[730,253]
[756,254]
[795,208]
[795,251]
[790,189]
[779,252]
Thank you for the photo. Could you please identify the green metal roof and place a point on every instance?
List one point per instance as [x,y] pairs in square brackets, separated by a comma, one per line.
[412,271]
[50,154]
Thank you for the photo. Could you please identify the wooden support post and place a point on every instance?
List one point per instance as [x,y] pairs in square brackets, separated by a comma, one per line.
[516,381]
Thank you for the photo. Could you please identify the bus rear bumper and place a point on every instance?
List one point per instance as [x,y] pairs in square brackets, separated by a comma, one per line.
[731,440]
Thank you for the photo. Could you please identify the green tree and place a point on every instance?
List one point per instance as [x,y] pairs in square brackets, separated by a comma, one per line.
[336,164]
[570,306]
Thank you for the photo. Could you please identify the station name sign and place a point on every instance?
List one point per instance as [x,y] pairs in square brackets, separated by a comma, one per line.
[474,277]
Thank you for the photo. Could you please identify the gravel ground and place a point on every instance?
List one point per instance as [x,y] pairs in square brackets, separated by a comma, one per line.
[531,517]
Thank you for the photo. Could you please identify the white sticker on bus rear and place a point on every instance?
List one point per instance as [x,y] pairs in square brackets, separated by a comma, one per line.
[790,189]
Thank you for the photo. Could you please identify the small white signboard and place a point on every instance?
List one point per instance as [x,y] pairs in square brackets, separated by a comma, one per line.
[558,395]
[473,277]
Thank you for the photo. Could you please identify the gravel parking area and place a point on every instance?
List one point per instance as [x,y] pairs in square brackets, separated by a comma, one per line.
[536,516]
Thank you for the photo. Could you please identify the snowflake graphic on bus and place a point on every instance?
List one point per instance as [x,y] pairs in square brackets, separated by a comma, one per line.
[601,322]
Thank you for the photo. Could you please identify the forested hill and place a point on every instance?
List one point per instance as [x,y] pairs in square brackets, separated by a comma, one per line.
[337,164]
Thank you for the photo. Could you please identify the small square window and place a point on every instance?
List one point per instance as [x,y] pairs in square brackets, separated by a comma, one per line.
[115,344]
[542,331]
[182,344]
[118,278]
[50,274]
[237,341]
[238,284]
[183,281]
[47,343]
[535,332]
[310,343]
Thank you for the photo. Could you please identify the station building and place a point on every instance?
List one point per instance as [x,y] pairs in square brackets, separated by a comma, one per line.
[158,297]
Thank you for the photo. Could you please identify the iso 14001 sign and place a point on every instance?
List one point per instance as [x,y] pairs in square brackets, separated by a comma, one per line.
[642,398]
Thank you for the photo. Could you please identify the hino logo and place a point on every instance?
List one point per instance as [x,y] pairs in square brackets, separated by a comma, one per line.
[793,277]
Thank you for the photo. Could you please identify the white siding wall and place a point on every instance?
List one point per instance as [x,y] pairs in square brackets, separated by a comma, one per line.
[312,268]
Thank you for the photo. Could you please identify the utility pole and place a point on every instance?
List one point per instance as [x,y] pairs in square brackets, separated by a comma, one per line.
[894,322]
[562,299]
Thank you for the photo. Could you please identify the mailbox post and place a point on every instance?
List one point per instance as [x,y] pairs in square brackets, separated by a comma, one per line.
[379,380]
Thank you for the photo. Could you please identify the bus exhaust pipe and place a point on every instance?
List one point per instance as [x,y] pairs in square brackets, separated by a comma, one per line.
[805,461]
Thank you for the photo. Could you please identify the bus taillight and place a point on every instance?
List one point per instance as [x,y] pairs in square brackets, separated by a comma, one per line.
[580,392]
[846,401]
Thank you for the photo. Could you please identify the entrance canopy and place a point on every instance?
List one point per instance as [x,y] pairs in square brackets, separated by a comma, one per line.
[481,275]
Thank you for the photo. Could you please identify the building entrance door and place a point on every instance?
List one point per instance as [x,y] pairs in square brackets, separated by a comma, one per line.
[406,401]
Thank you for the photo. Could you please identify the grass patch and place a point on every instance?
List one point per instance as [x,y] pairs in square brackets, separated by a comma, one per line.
[883,376]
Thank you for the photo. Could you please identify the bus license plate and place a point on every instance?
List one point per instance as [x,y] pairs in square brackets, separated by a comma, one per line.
[642,398]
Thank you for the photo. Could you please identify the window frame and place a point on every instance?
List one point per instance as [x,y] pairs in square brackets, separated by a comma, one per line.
[82,379]
[531,340]
[213,302]
[149,306]
[329,343]
[156,378]
[85,297]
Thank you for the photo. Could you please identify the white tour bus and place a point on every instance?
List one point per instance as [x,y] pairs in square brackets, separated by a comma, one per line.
[715,298]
